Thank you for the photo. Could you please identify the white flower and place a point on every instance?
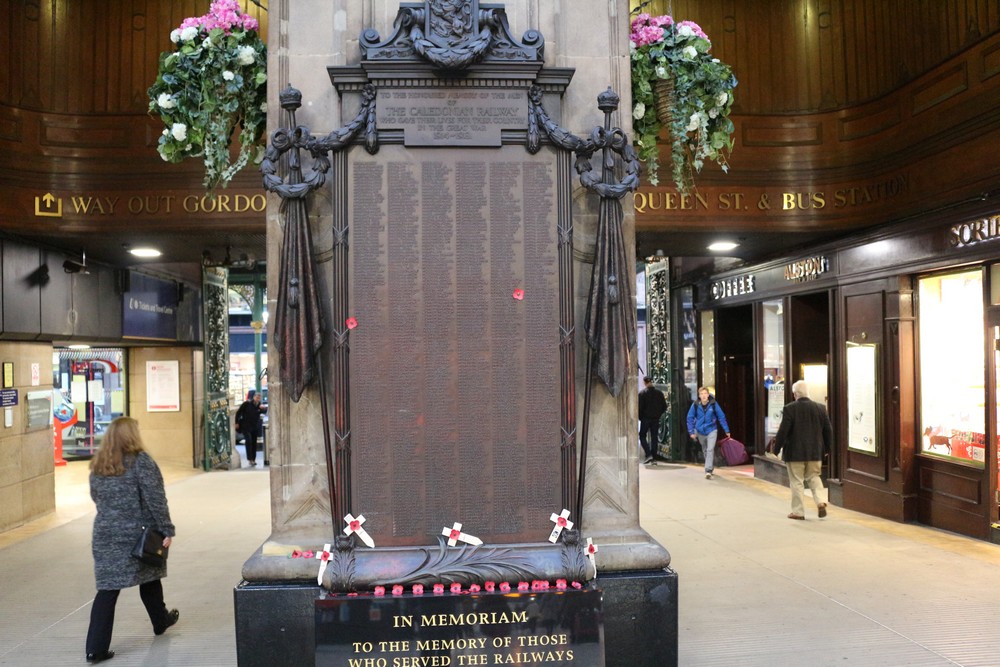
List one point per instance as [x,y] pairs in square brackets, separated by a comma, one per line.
[722,98]
[175,35]
[189,33]
[695,122]
[179,131]
[639,110]
[228,76]
[166,132]
[631,46]
[713,112]
[263,107]
[715,60]
[690,52]
[661,72]
[166,101]
[685,31]
[246,55]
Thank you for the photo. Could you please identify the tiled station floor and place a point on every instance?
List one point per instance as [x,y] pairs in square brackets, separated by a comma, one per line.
[755,587]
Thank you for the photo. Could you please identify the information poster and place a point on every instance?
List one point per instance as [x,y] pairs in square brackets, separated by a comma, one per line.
[163,386]
[861,372]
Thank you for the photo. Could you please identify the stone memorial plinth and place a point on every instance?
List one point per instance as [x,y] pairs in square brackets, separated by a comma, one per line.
[454,317]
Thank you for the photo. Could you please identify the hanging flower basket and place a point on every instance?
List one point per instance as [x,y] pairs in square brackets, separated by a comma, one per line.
[679,86]
[214,82]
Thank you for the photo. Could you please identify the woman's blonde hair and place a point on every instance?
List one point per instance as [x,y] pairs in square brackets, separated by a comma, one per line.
[121,443]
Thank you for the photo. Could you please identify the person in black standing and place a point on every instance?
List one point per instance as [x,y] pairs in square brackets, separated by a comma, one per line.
[248,422]
[652,405]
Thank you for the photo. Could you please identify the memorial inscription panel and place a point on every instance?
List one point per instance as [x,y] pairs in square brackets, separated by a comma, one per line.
[539,628]
[454,365]
[456,117]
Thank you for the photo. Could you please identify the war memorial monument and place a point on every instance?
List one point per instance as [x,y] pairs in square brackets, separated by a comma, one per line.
[454,467]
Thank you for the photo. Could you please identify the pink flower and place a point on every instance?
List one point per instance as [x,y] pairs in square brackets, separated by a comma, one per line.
[519,294]
[577,585]
[456,588]
[505,587]
[474,588]
[490,586]
[397,590]
[380,591]
[308,554]
[418,589]
[561,584]
[523,586]
[352,323]
[438,589]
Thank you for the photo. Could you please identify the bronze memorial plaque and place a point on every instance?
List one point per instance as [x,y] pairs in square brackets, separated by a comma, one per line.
[454,364]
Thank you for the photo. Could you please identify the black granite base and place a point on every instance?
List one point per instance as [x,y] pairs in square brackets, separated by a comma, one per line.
[276,623]
[640,618]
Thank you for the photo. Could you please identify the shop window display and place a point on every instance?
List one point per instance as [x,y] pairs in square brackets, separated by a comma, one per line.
[953,367]
[774,365]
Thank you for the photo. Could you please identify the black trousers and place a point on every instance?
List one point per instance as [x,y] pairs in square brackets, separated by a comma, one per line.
[102,614]
[250,440]
[648,435]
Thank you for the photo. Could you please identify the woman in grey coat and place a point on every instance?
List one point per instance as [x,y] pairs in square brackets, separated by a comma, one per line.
[127,488]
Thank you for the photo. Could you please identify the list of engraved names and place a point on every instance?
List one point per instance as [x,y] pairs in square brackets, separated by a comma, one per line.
[468,426]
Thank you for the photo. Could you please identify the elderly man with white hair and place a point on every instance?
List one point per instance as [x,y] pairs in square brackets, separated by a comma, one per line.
[805,433]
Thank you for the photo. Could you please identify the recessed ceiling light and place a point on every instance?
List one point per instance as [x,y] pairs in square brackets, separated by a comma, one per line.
[78,347]
[145,252]
[722,246]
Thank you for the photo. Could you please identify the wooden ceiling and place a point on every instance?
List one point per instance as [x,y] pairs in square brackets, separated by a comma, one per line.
[833,95]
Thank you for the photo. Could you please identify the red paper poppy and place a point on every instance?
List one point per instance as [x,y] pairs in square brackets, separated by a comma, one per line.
[296,554]
[352,323]
[490,586]
[518,294]
[577,585]
[397,590]
[561,522]
[561,584]
[308,554]
[474,588]
[591,548]
[523,586]
[505,587]
[438,589]
[418,589]
[455,534]
[380,590]
[355,525]
[456,588]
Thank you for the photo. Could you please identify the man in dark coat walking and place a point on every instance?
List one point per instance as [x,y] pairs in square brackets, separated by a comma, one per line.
[652,405]
[805,433]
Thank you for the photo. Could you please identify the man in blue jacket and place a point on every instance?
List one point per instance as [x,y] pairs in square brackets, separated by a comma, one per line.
[703,422]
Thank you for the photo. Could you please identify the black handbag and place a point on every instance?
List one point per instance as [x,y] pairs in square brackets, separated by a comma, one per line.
[149,548]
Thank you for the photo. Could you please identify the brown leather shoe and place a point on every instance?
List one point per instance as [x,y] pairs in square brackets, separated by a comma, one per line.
[797,517]
[822,510]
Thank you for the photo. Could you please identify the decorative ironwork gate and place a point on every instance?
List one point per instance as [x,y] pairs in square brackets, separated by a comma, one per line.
[658,351]
[215,310]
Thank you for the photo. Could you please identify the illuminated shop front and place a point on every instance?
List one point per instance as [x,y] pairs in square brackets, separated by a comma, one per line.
[899,336]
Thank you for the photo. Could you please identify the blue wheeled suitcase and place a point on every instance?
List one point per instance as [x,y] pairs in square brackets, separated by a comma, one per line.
[734,452]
